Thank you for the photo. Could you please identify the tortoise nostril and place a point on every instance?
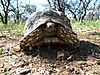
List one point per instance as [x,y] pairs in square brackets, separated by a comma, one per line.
[50,24]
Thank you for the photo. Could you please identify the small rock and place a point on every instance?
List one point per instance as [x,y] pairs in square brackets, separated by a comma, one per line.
[1,69]
[16,48]
[21,63]
[12,52]
[25,71]
[77,72]
[70,69]
[2,65]
[10,67]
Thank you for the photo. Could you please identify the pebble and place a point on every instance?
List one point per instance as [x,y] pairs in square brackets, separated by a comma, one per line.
[2,65]
[21,63]
[16,48]
[25,71]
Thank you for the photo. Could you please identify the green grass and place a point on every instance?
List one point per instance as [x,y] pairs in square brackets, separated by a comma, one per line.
[75,25]
[1,49]
[11,27]
[85,24]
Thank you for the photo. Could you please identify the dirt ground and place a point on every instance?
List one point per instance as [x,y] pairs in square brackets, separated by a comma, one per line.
[84,62]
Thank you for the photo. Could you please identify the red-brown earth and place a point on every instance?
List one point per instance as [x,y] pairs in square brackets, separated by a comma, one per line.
[15,62]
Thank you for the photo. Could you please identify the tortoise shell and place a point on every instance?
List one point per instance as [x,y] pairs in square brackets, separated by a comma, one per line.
[48,27]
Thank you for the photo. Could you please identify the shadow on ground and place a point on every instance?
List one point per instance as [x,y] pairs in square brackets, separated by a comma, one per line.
[86,49]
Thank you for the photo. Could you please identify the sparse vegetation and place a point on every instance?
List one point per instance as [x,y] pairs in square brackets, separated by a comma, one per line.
[12,26]
[76,25]
[1,49]
[89,24]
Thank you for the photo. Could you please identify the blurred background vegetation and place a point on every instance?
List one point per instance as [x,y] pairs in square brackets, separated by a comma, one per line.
[14,13]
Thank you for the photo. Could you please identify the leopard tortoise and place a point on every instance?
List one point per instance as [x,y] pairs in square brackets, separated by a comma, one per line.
[48,27]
